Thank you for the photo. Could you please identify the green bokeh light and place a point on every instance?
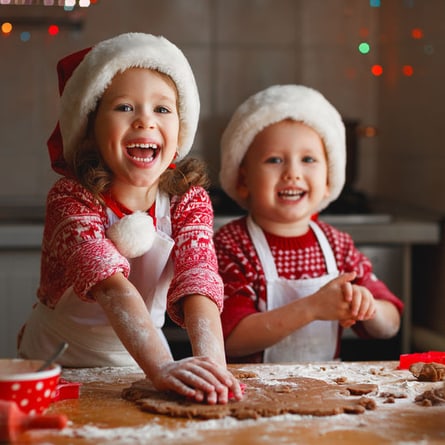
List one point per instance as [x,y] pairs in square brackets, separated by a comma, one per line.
[364,48]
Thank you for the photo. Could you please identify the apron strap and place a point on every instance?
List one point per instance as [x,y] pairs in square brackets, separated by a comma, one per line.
[263,250]
[331,264]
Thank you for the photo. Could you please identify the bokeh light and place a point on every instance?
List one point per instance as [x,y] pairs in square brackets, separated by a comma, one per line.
[416,33]
[53,30]
[363,32]
[428,49]
[407,70]
[364,47]
[377,70]
[6,28]
[25,36]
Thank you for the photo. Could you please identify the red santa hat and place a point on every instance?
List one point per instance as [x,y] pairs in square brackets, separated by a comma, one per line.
[85,75]
[273,105]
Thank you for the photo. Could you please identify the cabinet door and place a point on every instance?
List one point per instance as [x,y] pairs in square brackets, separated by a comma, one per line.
[387,262]
[19,277]
[388,265]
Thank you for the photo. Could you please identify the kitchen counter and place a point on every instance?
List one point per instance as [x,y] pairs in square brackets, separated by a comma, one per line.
[376,228]
[100,416]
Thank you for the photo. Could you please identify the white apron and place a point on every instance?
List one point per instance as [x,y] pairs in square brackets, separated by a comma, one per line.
[84,325]
[316,341]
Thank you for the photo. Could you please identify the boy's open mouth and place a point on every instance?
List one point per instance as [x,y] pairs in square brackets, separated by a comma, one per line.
[291,194]
[143,152]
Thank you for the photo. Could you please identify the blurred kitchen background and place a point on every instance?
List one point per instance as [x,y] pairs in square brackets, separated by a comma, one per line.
[381,63]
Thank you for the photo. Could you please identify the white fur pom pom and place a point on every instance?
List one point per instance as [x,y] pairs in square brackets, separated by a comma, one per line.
[133,234]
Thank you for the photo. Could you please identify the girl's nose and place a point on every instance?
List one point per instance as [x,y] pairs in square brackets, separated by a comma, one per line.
[144,121]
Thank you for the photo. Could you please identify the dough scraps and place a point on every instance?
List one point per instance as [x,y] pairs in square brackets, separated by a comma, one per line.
[428,372]
[291,395]
[432,397]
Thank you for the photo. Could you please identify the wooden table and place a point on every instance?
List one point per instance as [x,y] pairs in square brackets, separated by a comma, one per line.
[100,416]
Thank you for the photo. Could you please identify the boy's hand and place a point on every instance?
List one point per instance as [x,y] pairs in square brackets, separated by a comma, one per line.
[333,300]
[362,305]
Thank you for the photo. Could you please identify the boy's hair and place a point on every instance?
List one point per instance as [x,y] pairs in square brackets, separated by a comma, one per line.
[275,104]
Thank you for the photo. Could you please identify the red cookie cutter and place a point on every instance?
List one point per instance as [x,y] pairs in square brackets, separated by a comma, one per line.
[406,360]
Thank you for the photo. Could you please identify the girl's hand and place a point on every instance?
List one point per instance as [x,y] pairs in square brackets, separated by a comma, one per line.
[198,378]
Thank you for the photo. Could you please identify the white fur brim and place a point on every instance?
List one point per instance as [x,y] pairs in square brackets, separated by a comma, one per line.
[273,105]
[93,75]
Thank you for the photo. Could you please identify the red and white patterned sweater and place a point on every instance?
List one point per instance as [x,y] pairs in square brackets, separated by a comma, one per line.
[295,258]
[76,251]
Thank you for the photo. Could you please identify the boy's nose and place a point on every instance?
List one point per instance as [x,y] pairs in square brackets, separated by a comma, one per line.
[292,173]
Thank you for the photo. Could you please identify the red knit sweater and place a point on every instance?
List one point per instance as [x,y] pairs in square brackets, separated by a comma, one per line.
[77,253]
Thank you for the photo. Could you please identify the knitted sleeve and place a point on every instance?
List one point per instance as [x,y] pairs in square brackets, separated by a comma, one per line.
[242,274]
[194,257]
[349,258]
[75,250]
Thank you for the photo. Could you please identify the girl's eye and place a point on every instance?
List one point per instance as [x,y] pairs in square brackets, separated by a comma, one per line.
[124,107]
[274,160]
[308,159]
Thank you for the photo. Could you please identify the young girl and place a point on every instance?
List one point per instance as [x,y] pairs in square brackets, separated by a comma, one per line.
[127,236]
[292,282]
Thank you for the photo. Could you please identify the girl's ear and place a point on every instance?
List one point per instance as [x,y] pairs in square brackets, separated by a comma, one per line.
[241,184]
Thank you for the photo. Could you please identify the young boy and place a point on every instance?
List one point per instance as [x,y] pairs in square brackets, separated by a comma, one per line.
[292,282]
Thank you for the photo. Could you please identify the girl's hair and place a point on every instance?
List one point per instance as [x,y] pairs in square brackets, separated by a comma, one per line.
[92,172]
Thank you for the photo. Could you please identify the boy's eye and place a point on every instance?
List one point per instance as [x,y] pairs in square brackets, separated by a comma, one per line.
[162,109]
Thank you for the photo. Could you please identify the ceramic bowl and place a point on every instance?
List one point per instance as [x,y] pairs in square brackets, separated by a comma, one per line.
[31,390]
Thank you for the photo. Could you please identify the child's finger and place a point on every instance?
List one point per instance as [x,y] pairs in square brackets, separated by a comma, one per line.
[356,301]
[346,277]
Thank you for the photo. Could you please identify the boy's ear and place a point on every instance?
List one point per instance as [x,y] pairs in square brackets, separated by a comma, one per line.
[241,184]
[328,190]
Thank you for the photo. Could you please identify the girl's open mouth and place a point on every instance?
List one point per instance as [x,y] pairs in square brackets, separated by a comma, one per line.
[143,152]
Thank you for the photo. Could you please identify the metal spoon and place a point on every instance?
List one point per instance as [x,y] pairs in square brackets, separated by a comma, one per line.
[60,350]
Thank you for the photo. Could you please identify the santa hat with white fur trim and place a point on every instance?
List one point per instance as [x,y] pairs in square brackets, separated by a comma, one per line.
[90,78]
[272,105]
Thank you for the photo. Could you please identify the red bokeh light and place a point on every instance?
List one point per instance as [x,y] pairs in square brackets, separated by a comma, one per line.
[416,33]
[53,30]
[363,32]
[377,70]
[407,70]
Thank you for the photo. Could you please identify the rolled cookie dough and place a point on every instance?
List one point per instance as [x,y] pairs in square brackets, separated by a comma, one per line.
[293,395]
